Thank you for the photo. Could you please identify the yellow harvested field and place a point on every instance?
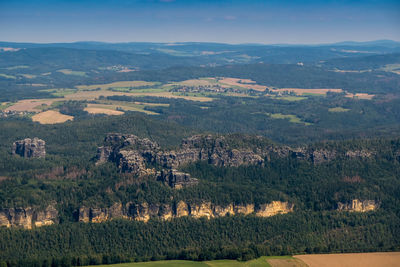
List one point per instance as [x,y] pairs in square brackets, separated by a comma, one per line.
[106,111]
[360,96]
[30,105]
[29,76]
[116,85]
[244,83]
[301,91]
[111,108]
[51,117]
[197,82]
[387,259]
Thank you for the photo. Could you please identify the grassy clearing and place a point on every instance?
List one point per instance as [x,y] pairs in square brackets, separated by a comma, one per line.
[197,82]
[289,98]
[60,92]
[5,105]
[395,68]
[17,67]
[133,90]
[122,84]
[360,96]
[7,76]
[302,91]
[338,109]
[272,261]
[51,117]
[72,72]
[292,118]
[93,95]
[173,52]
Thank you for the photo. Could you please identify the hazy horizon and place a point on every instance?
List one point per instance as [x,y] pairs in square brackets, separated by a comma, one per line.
[199,42]
[232,22]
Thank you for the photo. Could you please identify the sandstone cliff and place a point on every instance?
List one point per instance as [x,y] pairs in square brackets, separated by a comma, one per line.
[144,211]
[29,148]
[28,217]
[359,205]
[133,154]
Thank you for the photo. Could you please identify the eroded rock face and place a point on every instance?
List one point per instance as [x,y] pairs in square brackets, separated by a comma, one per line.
[176,179]
[181,209]
[274,208]
[201,210]
[30,148]
[28,217]
[221,211]
[133,154]
[359,205]
[144,211]
[97,215]
[243,209]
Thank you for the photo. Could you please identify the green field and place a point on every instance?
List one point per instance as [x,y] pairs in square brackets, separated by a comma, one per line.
[121,84]
[7,76]
[289,98]
[338,109]
[6,105]
[72,72]
[17,67]
[292,118]
[133,90]
[60,92]
[260,262]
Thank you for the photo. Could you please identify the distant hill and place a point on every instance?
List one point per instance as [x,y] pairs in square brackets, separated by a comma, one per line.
[363,63]
[222,54]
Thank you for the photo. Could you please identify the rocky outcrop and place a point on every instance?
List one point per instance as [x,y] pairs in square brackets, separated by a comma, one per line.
[274,208]
[98,215]
[144,211]
[361,154]
[134,155]
[176,179]
[322,155]
[28,217]
[30,148]
[359,205]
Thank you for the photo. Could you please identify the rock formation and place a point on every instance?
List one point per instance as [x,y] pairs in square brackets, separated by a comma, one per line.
[359,205]
[274,208]
[134,155]
[29,148]
[28,217]
[144,211]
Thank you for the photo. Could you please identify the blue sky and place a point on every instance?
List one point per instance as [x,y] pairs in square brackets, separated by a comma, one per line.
[234,21]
